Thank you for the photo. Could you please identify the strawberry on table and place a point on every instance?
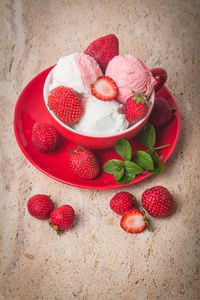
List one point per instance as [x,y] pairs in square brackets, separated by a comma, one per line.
[45,137]
[65,104]
[103,49]
[62,218]
[122,202]
[133,221]
[104,88]
[136,107]
[84,163]
[158,201]
[40,206]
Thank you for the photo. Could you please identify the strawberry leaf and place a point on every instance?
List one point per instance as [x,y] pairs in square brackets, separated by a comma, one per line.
[119,174]
[158,166]
[127,177]
[113,166]
[147,136]
[132,168]
[144,160]
[123,148]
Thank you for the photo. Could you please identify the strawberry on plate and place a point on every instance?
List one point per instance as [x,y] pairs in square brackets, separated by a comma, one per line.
[104,88]
[133,221]
[45,137]
[122,202]
[158,201]
[84,163]
[40,206]
[62,218]
[161,114]
[103,49]
[65,104]
[136,107]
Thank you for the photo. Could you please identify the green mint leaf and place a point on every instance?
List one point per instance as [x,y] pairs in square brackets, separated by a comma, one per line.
[144,160]
[113,166]
[123,148]
[127,177]
[132,168]
[147,136]
[119,174]
[158,166]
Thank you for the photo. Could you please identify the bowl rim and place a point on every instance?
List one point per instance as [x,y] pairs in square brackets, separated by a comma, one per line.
[70,129]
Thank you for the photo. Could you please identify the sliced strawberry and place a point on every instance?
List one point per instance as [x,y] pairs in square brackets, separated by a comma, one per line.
[104,88]
[103,49]
[133,221]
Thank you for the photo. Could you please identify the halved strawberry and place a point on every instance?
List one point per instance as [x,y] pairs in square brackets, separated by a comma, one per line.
[103,49]
[104,88]
[133,221]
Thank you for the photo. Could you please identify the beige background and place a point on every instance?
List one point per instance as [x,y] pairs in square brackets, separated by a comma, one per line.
[96,259]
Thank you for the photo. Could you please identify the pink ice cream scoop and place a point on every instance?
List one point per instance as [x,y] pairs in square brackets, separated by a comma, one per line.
[130,74]
[89,69]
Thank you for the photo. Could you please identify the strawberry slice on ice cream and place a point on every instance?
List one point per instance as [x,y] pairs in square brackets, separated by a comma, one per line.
[104,88]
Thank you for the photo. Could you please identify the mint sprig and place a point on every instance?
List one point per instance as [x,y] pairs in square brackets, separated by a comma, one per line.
[125,170]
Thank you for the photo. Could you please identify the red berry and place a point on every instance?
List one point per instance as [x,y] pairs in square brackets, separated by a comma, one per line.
[45,137]
[158,201]
[84,163]
[65,104]
[122,202]
[133,221]
[161,114]
[62,218]
[136,108]
[104,88]
[40,206]
[103,49]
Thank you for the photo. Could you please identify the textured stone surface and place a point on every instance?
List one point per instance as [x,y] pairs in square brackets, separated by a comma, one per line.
[96,259]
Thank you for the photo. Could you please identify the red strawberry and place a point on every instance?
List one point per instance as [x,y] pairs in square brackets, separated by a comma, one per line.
[158,201]
[136,107]
[161,113]
[103,49]
[45,137]
[40,206]
[84,163]
[122,202]
[104,88]
[62,218]
[65,104]
[133,221]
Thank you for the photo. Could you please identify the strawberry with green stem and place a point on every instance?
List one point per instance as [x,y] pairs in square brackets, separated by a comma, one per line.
[136,107]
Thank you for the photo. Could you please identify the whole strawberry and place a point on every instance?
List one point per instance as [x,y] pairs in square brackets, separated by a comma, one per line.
[122,202]
[45,137]
[84,163]
[161,114]
[65,104]
[136,107]
[62,218]
[158,201]
[40,206]
[103,49]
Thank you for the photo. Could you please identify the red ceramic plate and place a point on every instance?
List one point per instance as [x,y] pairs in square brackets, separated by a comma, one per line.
[30,108]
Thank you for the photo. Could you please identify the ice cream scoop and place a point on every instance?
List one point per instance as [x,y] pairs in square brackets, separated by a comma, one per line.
[76,71]
[130,74]
[101,118]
